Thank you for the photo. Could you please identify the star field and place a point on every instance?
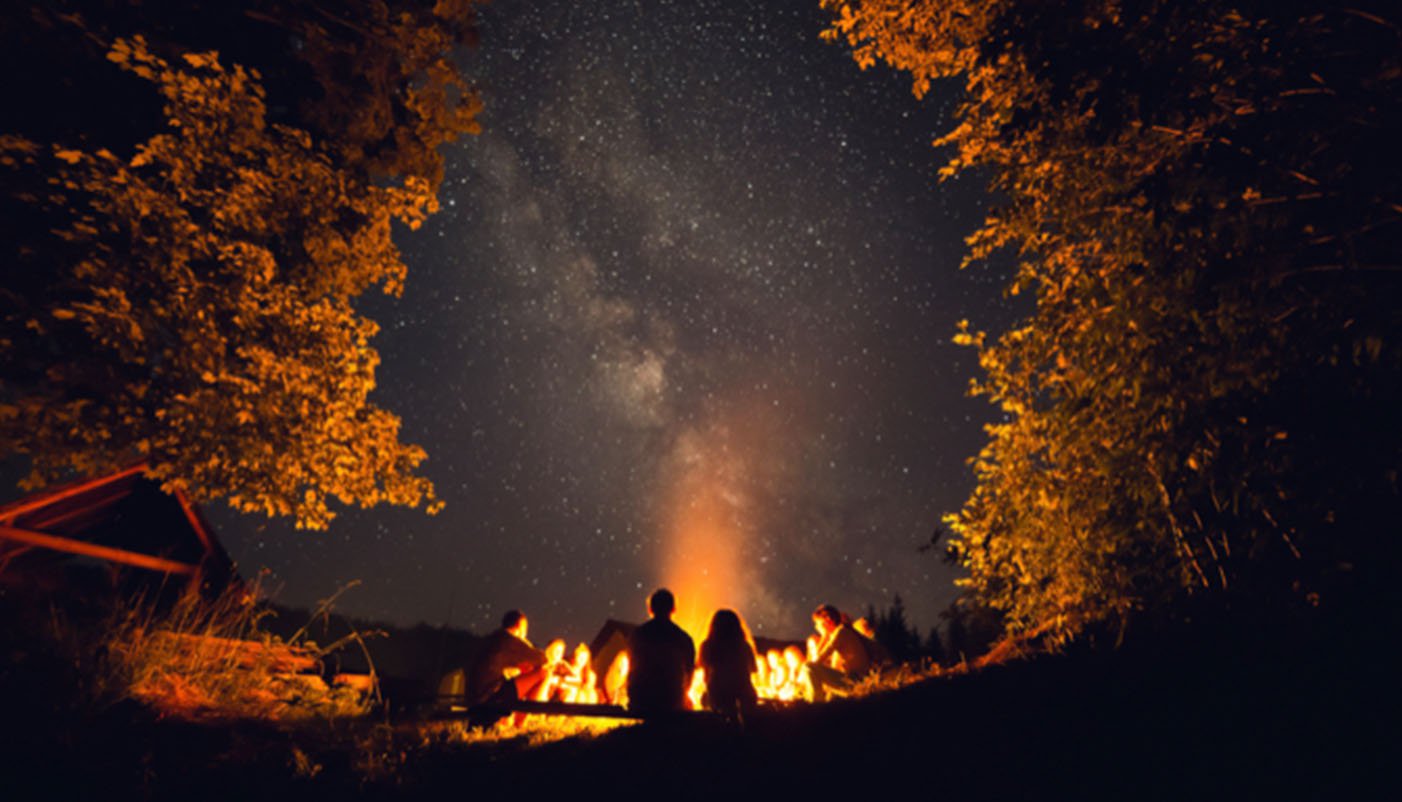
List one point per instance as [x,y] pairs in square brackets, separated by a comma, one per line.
[685,317]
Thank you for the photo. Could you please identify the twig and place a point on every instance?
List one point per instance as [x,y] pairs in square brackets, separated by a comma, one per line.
[323,608]
[1183,545]
[1283,533]
[1373,18]
[1336,268]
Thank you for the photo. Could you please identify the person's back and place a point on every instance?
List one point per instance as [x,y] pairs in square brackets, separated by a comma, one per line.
[661,658]
[505,649]
[849,649]
[728,660]
[879,654]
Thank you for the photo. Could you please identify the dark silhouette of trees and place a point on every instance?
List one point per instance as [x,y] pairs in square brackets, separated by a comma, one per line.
[970,629]
[894,631]
[933,647]
[1206,201]
[182,291]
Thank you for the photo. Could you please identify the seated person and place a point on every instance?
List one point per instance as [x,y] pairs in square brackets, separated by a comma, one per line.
[880,655]
[661,657]
[727,659]
[509,666]
[842,656]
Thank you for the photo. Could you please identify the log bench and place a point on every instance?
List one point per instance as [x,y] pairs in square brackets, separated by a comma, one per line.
[455,707]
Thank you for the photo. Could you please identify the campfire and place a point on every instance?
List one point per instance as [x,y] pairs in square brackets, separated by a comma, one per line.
[707,562]
[600,675]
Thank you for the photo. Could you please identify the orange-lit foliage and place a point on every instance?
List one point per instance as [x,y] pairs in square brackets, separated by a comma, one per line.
[201,316]
[1203,199]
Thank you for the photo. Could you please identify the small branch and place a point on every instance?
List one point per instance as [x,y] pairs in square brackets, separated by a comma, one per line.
[1182,542]
[1336,268]
[1216,560]
[374,675]
[1283,534]
[1373,18]
[1376,224]
[323,610]
[1304,196]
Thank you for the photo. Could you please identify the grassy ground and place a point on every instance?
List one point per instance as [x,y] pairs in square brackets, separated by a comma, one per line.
[1221,711]
[1189,723]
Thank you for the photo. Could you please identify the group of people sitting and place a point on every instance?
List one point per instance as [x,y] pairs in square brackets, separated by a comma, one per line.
[661,663]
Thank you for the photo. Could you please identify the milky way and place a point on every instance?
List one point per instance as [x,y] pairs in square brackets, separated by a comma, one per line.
[685,317]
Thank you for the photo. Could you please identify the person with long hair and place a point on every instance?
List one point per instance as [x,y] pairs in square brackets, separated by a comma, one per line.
[727,659]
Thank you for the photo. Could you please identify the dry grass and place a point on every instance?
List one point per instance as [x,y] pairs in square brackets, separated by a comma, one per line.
[897,676]
[533,731]
[210,659]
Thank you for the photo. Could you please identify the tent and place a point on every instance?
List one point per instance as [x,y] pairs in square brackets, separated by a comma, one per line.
[122,518]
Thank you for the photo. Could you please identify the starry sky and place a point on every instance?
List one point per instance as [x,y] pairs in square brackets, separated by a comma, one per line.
[685,318]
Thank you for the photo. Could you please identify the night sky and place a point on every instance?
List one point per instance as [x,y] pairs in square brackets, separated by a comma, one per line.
[685,318]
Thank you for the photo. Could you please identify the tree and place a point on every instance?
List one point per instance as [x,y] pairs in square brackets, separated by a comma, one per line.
[970,628]
[190,306]
[933,647]
[1204,199]
[894,632]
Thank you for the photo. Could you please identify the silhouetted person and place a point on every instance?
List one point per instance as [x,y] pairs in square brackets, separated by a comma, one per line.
[727,659]
[509,664]
[843,655]
[879,654]
[661,657]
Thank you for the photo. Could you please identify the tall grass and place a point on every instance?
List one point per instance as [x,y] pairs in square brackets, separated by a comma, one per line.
[203,658]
